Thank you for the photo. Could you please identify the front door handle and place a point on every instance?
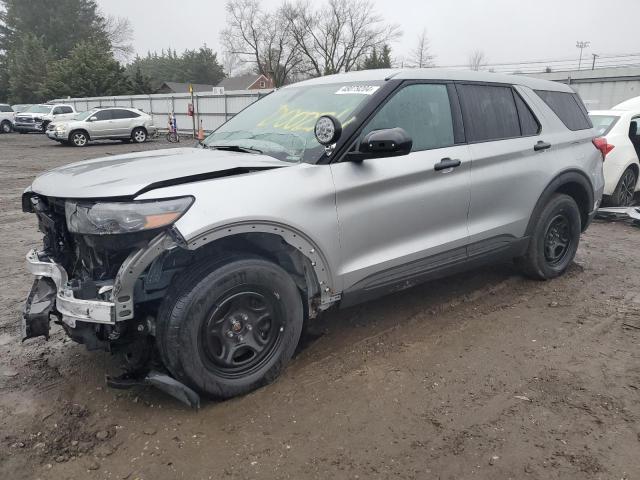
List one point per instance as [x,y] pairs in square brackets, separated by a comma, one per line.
[447,163]
[538,147]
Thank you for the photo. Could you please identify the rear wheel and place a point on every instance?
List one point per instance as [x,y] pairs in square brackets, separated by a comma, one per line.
[554,240]
[5,127]
[625,190]
[79,138]
[230,327]
[139,135]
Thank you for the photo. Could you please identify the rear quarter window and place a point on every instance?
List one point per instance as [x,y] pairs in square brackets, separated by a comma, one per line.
[568,107]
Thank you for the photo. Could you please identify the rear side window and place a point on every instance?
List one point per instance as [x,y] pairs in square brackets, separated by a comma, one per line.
[5,108]
[117,114]
[490,112]
[603,123]
[568,107]
[423,111]
[66,109]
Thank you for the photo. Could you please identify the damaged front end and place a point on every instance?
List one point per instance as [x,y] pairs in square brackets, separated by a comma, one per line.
[96,258]
[103,285]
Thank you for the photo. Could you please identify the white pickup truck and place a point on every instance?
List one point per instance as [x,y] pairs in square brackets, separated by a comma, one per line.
[37,117]
[6,118]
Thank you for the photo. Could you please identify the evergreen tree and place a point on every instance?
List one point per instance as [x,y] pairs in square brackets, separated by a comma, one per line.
[375,60]
[89,71]
[27,71]
[141,84]
[60,24]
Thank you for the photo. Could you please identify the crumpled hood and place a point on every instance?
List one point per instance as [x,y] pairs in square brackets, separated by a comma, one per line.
[130,174]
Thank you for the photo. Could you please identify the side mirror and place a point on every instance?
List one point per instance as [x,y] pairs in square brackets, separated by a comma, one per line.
[93,119]
[389,142]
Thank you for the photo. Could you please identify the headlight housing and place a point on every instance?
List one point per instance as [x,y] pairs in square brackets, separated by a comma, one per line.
[112,218]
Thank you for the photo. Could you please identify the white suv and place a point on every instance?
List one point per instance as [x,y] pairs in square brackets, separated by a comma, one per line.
[6,118]
[37,117]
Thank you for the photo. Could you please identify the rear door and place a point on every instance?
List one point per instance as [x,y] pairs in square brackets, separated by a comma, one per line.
[123,122]
[401,217]
[507,171]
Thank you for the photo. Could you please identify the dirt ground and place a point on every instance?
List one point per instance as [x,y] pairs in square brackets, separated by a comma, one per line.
[484,375]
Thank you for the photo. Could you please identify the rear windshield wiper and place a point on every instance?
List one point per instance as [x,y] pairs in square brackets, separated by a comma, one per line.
[235,148]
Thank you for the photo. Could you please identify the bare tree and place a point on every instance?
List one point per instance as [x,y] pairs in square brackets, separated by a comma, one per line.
[477,60]
[262,38]
[421,57]
[337,36]
[120,34]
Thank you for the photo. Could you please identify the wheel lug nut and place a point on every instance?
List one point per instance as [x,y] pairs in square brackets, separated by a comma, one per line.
[240,338]
[230,334]
[249,327]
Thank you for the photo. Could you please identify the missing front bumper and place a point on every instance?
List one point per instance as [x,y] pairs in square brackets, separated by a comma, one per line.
[62,299]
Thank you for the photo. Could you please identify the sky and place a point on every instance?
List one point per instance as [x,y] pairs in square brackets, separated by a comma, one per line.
[505,30]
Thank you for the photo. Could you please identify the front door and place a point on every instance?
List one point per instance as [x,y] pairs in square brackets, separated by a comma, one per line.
[402,217]
[102,126]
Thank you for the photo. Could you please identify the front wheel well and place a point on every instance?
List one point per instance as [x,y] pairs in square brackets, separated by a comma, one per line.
[78,130]
[271,247]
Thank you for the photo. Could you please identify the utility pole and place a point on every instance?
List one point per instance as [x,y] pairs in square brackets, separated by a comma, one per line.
[593,65]
[581,45]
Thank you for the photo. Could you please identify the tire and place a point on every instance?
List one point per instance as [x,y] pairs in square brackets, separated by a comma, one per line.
[625,190]
[44,126]
[139,135]
[79,138]
[5,127]
[554,241]
[231,326]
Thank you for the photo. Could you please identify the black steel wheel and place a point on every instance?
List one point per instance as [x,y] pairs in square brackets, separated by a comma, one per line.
[557,239]
[242,331]
[554,239]
[230,326]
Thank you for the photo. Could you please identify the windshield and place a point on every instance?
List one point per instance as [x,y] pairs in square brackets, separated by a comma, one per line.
[84,115]
[603,123]
[282,124]
[39,109]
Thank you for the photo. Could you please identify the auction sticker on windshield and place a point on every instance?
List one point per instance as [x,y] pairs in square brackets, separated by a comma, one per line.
[357,90]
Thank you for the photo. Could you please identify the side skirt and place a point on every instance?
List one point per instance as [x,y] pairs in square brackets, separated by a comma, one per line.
[493,250]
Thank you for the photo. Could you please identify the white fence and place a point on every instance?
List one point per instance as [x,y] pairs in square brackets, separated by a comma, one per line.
[212,109]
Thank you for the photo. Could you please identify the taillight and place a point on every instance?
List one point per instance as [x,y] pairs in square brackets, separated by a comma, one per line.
[602,145]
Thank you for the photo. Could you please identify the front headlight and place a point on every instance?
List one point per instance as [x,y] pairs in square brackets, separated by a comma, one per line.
[109,218]
[61,128]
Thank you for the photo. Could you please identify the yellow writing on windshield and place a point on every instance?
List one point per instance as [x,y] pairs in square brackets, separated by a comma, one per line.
[298,120]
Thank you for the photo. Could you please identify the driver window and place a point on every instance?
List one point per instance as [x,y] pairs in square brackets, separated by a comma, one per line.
[103,115]
[423,111]
[57,110]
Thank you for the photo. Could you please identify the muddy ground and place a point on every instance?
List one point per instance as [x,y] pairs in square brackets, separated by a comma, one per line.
[485,375]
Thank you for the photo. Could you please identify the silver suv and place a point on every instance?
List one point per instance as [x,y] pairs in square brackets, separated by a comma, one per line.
[111,123]
[325,193]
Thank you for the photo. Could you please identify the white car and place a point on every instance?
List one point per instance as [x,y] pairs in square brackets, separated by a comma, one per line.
[621,130]
[7,116]
[37,117]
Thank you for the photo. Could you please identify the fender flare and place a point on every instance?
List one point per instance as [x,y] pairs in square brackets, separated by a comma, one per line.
[297,239]
[564,178]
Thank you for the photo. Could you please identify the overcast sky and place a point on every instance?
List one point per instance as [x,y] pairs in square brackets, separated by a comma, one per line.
[506,30]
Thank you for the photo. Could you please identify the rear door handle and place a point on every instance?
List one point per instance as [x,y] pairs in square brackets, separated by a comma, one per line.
[541,146]
[446,163]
